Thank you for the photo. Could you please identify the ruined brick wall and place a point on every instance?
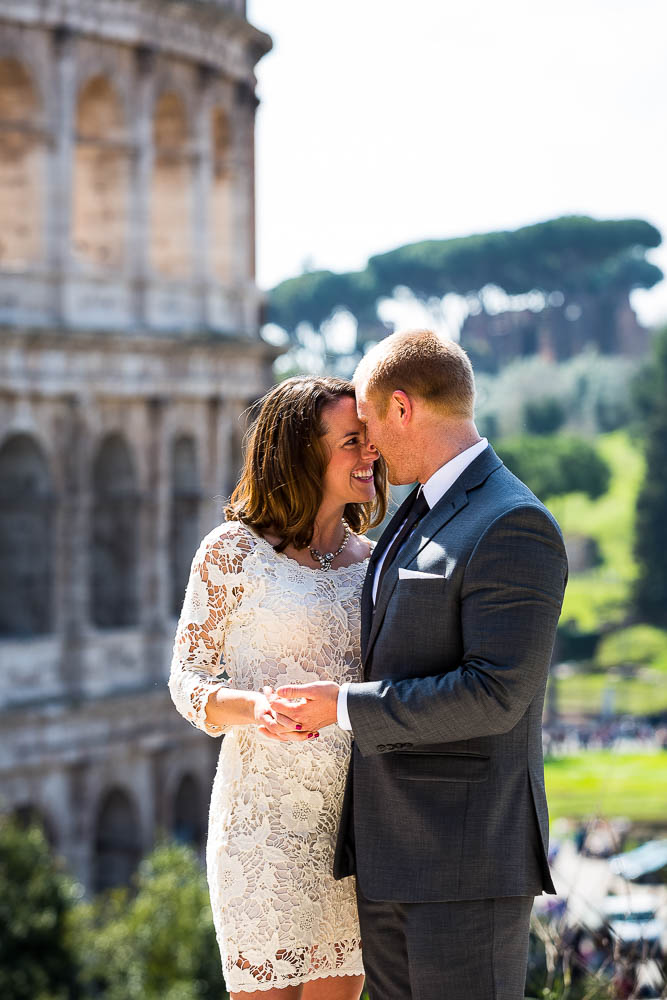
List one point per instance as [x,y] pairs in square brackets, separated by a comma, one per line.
[129,349]
[127,165]
[23,154]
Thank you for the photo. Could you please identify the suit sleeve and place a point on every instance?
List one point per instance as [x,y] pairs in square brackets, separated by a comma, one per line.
[511,597]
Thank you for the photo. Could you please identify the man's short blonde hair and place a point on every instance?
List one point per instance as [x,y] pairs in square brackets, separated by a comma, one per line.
[421,364]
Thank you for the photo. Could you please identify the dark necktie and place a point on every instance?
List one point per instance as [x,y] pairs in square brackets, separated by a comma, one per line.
[418,509]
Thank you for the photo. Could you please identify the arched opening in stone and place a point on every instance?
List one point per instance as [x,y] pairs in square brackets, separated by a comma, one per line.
[184,533]
[188,825]
[221,199]
[117,845]
[22,169]
[28,815]
[171,190]
[26,539]
[101,178]
[114,552]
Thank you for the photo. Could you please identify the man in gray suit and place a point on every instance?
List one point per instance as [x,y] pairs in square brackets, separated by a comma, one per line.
[445,818]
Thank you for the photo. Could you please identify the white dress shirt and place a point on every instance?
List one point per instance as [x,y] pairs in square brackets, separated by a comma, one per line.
[433,489]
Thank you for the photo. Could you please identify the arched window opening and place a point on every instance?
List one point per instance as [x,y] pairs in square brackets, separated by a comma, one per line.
[22,169]
[117,841]
[26,539]
[221,199]
[101,178]
[188,824]
[184,534]
[115,536]
[171,190]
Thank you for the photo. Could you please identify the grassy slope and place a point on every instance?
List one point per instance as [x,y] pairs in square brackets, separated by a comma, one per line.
[601,595]
[608,784]
[604,782]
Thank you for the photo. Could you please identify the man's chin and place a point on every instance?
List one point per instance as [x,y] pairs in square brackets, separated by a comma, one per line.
[399,480]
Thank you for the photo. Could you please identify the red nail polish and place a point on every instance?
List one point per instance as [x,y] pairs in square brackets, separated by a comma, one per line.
[298,726]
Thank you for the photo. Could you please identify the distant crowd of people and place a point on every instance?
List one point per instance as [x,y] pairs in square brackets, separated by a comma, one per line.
[624,733]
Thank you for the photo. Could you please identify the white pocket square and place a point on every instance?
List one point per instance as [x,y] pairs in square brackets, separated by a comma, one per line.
[416,574]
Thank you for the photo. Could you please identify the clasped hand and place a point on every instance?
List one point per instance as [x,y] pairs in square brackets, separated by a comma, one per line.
[295,713]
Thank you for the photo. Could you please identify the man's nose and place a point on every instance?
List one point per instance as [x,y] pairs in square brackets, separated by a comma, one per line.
[370,451]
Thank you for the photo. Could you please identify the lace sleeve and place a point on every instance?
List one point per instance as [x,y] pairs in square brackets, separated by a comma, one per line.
[214,588]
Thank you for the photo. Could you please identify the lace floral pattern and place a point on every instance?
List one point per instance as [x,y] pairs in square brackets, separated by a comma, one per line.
[253,617]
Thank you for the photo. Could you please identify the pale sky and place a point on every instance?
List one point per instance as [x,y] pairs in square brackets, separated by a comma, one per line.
[384,122]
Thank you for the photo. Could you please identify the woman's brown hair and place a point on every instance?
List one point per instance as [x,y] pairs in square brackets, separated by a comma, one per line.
[280,488]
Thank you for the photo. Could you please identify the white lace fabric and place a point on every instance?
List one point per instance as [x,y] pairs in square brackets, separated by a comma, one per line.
[253,617]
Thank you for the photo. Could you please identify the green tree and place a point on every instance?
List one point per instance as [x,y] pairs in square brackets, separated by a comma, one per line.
[544,416]
[585,260]
[595,394]
[571,254]
[36,896]
[651,524]
[552,465]
[634,646]
[155,941]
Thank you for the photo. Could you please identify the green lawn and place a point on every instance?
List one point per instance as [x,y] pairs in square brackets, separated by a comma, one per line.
[600,596]
[591,694]
[609,784]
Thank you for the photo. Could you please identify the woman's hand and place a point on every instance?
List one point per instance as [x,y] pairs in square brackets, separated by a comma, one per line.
[262,713]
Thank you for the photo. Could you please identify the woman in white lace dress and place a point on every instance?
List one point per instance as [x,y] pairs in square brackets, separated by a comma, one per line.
[274,598]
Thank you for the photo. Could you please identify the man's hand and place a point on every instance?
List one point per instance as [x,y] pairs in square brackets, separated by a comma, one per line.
[310,706]
[277,726]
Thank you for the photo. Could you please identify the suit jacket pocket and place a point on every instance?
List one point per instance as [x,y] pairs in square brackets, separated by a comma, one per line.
[440,766]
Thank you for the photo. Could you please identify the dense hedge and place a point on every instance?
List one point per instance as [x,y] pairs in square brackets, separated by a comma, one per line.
[555,464]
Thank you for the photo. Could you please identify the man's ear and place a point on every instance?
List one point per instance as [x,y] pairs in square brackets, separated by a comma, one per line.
[402,406]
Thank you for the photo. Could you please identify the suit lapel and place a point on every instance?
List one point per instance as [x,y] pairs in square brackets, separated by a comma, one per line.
[366,609]
[449,505]
[425,530]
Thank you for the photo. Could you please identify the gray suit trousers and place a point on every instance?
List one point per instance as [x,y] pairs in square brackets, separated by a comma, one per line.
[461,950]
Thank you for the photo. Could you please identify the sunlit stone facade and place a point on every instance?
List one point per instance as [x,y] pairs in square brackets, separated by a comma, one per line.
[129,347]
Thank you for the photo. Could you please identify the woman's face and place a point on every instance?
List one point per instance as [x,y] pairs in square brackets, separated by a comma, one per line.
[349,474]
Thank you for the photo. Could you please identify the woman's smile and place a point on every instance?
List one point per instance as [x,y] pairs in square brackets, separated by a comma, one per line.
[364,475]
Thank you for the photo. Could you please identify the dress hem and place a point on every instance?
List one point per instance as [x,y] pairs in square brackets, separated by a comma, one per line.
[277,985]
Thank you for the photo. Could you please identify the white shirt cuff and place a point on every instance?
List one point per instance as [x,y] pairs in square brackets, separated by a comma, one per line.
[341,708]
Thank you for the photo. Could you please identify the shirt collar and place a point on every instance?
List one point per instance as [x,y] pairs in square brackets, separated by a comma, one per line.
[443,478]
